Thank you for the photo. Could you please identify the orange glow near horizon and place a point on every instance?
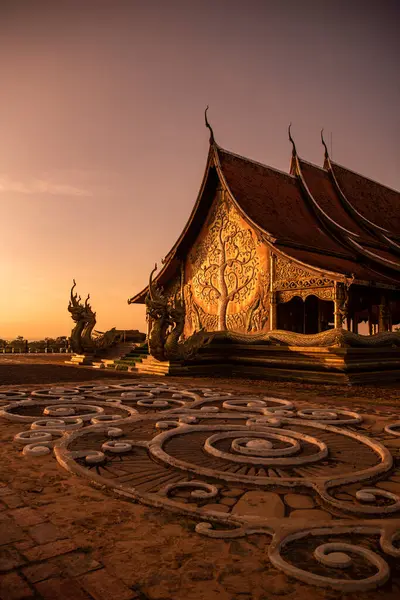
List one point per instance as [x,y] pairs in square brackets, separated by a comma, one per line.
[103,145]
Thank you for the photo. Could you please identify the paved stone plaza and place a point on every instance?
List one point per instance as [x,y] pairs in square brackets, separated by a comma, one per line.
[260,496]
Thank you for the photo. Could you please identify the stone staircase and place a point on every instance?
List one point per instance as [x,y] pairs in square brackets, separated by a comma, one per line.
[115,353]
[139,361]
[125,361]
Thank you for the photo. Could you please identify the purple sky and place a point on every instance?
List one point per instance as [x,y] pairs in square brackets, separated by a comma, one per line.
[103,144]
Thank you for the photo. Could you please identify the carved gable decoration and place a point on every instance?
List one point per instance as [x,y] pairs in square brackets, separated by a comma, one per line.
[226,275]
[291,280]
[290,275]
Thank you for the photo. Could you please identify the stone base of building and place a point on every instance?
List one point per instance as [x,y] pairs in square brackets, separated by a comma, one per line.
[308,364]
[302,364]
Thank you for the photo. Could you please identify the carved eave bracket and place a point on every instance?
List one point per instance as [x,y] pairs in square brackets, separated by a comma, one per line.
[291,279]
[321,293]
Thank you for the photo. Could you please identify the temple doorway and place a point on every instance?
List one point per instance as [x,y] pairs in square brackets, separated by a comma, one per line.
[309,316]
[291,315]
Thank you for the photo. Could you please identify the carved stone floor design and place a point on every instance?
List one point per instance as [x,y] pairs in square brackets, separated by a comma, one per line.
[322,485]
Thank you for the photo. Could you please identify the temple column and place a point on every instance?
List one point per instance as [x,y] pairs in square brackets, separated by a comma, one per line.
[383,315]
[273,312]
[338,301]
[370,319]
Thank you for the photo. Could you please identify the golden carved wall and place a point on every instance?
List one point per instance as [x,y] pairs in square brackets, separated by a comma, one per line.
[227,274]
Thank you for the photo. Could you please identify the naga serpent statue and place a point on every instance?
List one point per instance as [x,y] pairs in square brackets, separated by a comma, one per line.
[335,338]
[77,311]
[82,339]
[157,313]
[167,320]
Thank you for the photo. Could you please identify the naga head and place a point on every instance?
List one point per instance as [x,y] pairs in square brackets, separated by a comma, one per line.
[74,300]
[156,302]
[75,307]
[155,292]
[89,314]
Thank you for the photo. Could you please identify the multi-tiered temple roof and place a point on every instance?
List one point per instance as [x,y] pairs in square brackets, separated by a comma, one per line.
[329,218]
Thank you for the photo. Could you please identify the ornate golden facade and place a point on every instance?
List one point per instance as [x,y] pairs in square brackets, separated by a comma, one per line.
[265,250]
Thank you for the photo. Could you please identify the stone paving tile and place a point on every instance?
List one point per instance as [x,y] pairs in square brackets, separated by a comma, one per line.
[13,501]
[13,587]
[26,517]
[25,544]
[116,565]
[45,551]
[10,558]
[61,589]
[39,572]
[77,563]
[45,532]
[103,586]
[9,530]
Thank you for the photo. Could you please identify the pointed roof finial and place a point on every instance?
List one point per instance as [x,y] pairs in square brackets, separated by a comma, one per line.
[324,144]
[294,151]
[209,126]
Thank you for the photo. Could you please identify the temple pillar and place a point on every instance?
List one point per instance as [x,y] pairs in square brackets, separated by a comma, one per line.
[338,315]
[273,313]
[337,320]
[370,319]
[383,320]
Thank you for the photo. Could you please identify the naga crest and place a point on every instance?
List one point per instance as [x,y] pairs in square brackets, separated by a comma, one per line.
[75,307]
[167,320]
[156,302]
[89,314]
[83,315]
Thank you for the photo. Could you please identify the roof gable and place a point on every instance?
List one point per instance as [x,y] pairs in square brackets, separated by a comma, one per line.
[276,203]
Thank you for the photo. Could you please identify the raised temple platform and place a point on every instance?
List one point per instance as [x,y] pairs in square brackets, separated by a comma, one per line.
[338,356]
[294,363]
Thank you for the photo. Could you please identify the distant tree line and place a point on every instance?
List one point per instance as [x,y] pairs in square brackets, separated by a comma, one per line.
[20,344]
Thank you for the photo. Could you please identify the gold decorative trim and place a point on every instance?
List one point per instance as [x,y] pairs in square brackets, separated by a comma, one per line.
[290,276]
[326,293]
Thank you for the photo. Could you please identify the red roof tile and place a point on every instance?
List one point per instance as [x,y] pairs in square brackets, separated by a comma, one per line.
[321,187]
[274,202]
[374,201]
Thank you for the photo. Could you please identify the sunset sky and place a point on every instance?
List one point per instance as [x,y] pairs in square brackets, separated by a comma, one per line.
[102,137]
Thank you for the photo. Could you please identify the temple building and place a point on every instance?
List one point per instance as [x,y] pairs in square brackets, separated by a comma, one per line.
[306,251]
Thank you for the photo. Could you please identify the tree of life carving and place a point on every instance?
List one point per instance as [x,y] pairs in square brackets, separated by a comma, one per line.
[225,263]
